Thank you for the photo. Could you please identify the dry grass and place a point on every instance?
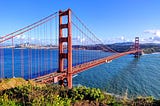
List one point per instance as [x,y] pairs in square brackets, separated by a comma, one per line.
[14,82]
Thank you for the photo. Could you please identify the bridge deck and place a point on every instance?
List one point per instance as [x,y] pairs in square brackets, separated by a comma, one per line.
[55,77]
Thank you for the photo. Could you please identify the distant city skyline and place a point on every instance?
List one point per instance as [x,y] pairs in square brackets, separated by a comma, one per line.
[111,20]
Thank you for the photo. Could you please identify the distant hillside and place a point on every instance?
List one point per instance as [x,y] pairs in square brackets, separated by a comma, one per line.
[122,47]
[147,47]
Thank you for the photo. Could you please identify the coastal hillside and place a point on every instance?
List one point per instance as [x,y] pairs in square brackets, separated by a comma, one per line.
[31,94]
[122,47]
[147,48]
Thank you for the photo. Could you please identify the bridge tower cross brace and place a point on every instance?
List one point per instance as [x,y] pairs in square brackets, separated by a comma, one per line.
[136,47]
[65,55]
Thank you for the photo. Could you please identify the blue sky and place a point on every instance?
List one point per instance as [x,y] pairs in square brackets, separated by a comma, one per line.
[111,20]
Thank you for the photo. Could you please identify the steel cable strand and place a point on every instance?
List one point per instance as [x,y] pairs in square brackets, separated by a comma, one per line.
[26,29]
[29,25]
[87,36]
[92,32]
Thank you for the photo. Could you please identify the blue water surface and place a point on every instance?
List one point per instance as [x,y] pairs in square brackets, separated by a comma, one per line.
[136,76]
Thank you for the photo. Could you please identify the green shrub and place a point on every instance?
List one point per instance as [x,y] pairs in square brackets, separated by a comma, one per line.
[59,96]
[83,93]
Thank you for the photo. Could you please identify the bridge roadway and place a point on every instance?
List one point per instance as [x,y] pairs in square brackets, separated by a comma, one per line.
[55,76]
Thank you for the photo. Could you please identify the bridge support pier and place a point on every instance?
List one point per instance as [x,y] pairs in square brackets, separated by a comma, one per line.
[63,39]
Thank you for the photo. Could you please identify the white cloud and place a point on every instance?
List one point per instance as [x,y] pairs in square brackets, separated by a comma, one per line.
[82,40]
[79,39]
[20,37]
[122,38]
[117,40]
[32,38]
[154,32]
[155,36]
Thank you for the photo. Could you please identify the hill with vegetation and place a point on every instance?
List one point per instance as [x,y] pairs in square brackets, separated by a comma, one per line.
[122,47]
[147,48]
[29,93]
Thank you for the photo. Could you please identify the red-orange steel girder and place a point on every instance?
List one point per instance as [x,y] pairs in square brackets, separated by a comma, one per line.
[137,47]
[68,40]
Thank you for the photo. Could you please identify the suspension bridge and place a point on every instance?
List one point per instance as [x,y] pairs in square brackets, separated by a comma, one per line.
[54,49]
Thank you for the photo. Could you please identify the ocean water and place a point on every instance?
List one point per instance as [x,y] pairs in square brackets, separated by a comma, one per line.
[137,76]
[30,63]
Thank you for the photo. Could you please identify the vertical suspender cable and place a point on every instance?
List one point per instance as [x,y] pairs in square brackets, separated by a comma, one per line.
[41,38]
[22,58]
[56,35]
[38,52]
[44,43]
[28,56]
[12,58]
[50,70]
[31,60]
[2,60]
[35,53]
[3,50]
